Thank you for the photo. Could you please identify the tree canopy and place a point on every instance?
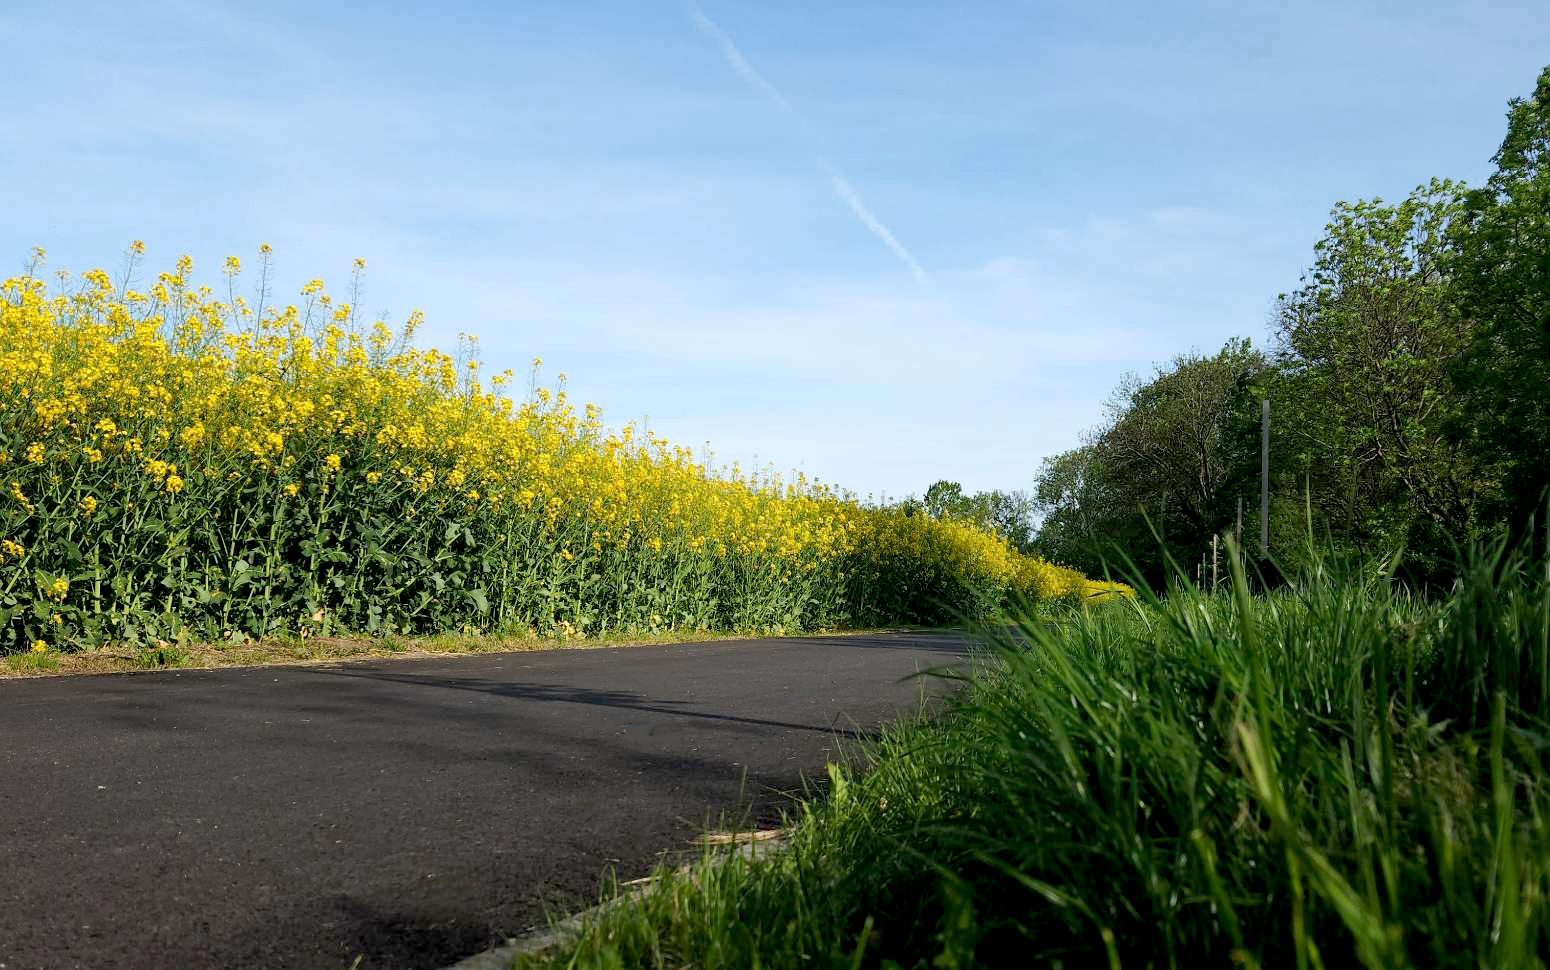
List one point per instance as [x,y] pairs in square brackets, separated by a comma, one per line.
[1408,376]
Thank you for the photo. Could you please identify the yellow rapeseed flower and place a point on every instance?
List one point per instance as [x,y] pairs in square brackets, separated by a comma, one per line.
[40,646]
[21,496]
[249,396]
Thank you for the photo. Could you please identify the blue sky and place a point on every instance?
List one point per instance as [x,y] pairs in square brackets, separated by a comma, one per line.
[687,210]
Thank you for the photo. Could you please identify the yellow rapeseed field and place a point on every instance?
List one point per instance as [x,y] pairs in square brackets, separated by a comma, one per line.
[178,462]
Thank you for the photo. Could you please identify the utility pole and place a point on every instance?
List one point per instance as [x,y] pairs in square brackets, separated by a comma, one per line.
[1264,479]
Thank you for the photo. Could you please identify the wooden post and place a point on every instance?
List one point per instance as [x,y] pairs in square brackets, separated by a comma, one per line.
[1264,479]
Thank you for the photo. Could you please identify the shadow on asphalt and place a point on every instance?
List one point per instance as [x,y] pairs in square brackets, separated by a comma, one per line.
[625,700]
[943,642]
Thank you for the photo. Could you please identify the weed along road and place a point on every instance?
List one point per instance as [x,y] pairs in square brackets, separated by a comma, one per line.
[407,811]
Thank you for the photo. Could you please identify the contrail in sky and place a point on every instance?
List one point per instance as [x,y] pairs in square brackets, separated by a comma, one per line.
[740,63]
[837,179]
[843,188]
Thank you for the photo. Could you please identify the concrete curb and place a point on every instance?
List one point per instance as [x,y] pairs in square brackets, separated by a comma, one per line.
[749,845]
[502,957]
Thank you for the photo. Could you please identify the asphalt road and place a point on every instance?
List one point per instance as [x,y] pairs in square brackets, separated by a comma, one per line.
[411,812]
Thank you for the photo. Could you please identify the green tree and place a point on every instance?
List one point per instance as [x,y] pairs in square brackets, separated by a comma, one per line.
[1179,439]
[1501,267]
[1006,514]
[1409,389]
[1175,453]
[1009,515]
[945,500]
[1083,523]
[1363,395]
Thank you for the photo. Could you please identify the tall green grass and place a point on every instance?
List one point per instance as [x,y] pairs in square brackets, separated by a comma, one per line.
[1340,773]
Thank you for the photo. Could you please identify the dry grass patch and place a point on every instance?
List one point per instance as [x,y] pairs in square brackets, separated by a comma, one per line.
[119,659]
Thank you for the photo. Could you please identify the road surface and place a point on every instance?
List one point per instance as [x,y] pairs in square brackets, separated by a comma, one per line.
[410,812]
